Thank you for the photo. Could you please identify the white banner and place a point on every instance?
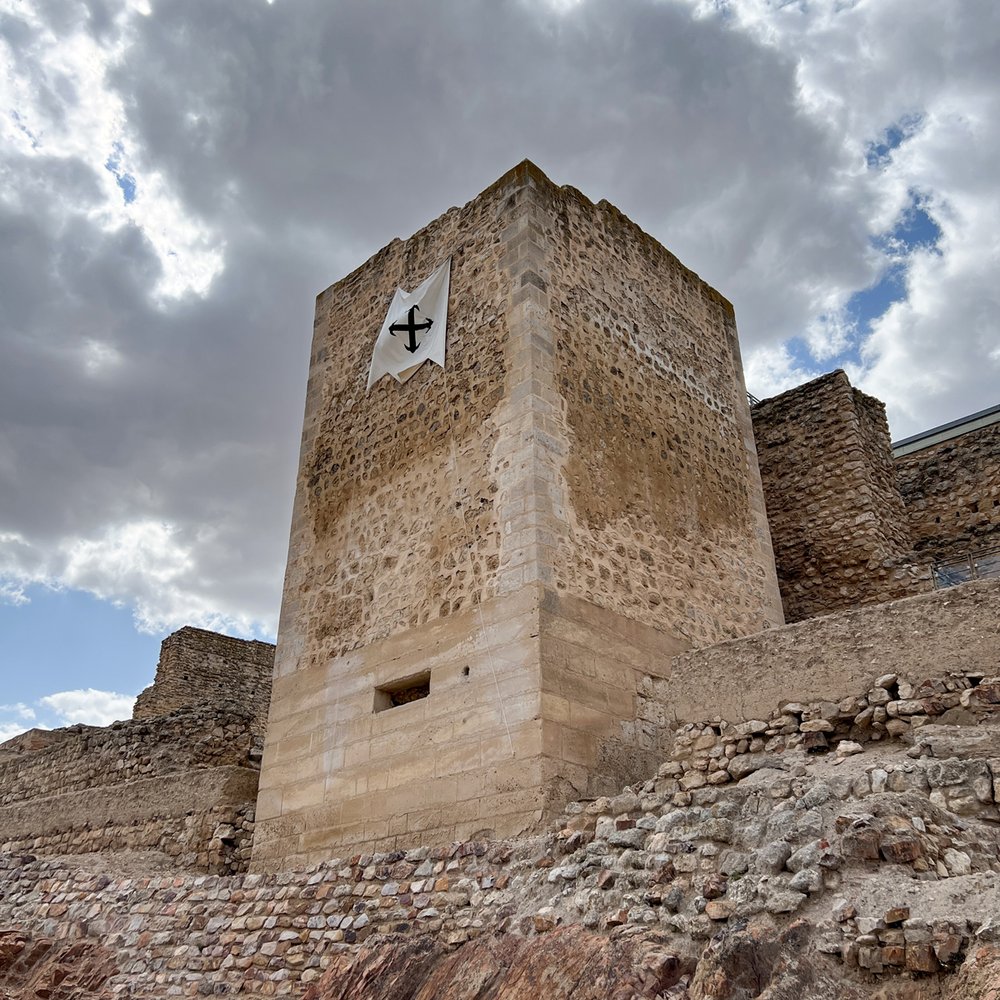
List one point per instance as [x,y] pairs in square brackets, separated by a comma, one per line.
[414,329]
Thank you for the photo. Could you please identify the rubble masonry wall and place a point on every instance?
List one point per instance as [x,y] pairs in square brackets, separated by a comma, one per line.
[182,784]
[824,658]
[838,524]
[952,494]
[198,667]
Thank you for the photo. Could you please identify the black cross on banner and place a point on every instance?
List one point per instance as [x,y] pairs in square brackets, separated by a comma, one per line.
[410,327]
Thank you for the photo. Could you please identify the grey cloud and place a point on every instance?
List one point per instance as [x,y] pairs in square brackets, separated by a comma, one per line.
[316,107]
[16,31]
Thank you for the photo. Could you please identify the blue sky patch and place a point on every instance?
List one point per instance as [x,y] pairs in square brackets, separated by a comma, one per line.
[878,153]
[65,639]
[915,229]
[799,352]
[125,180]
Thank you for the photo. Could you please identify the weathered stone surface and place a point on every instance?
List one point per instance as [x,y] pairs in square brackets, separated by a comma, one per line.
[720,909]
[886,827]
[202,668]
[950,490]
[178,780]
[839,540]
[565,963]
[816,726]
[33,966]
[757,961]
[947,632]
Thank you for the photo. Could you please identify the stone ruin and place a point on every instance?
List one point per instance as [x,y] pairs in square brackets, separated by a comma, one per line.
[536,723]
[175,785]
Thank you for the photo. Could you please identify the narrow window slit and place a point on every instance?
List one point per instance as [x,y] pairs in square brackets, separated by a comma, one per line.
[403,691]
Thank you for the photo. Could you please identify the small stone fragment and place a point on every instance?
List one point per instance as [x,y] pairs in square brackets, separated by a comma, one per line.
[947,947]
[785,901]
[719,909]
[814,743]
[772,857]
[862,843]
[715,886]
[900,849]
[921,958]
[894,955]
[957,862]
[807,880]
[816,726]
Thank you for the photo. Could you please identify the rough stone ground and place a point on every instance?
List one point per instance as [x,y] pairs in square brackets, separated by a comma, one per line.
[974,897]
[36,966]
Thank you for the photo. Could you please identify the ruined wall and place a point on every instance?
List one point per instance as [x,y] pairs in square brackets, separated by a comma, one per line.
[180,778]
[182,784]
[198,821]
[474,529]
[838,524]
[90,756]
[198,667]
[952,494]
[923,636]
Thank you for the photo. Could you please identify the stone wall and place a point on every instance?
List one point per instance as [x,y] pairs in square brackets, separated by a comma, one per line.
[843,653]
[474,529]
[660,515]
[838,524]
[194,821]
[198,667]
[178,779]
[181,784]
[952,494]
[879,860]
[90,756]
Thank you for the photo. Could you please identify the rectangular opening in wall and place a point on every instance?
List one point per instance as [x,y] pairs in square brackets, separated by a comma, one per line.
[403,691]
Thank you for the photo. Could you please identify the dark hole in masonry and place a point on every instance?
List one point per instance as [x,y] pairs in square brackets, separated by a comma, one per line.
[403,691]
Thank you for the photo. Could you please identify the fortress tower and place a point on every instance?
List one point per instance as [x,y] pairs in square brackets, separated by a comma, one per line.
[488,562]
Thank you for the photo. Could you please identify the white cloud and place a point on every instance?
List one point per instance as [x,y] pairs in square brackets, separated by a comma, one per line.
[771,369]
[146,564]
[89,706]
[100,357]
[21,710]
[12,592]
[929,70]
[16,719]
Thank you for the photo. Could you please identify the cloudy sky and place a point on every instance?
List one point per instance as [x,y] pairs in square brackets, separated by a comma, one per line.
[179,179]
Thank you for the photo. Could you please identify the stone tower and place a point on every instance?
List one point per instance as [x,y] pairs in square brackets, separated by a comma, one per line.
[488,562]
